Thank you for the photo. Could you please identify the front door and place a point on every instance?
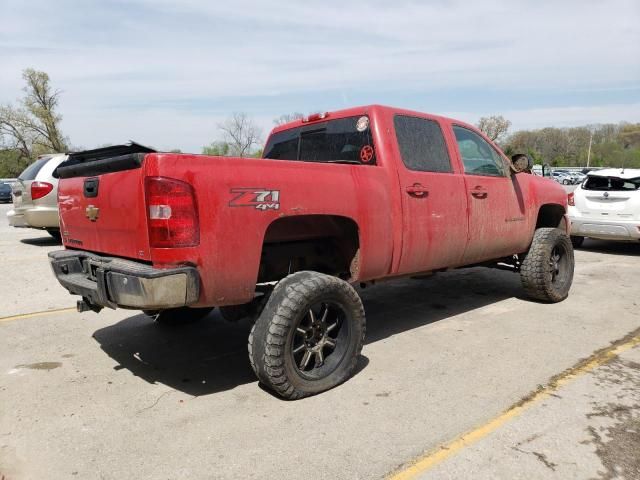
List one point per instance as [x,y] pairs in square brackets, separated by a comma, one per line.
[497,220]
[434,209]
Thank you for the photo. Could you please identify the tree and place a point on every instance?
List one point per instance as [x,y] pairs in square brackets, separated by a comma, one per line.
[241,134]
[495,127]
[630,135]
[33,127]
[288,117]
[216,149]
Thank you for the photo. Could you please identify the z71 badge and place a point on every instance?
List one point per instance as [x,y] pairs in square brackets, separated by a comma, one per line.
[258,198]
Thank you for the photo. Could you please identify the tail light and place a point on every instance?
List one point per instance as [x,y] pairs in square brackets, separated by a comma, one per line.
[571,199]
[40,189]
[172,213]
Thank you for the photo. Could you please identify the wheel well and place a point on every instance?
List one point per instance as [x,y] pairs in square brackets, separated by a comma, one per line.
[551,216]
[323,243]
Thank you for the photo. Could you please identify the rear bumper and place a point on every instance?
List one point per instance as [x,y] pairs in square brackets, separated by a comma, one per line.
[16,219]
[605,230]
[36,217]
[114,282]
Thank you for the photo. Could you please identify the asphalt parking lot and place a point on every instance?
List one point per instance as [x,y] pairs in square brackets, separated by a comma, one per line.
[460,377]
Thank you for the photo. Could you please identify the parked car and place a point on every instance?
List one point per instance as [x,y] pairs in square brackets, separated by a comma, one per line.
[5,191]
[562,177]
[342,198]
[579,177]
[606,206]
[35,196]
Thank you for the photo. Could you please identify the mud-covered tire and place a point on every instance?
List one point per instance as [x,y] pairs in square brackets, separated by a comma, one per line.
[178,316]
[273,338]
[547,270]
[576,241]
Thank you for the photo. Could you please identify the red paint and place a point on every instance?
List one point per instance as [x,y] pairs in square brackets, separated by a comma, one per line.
[408,221]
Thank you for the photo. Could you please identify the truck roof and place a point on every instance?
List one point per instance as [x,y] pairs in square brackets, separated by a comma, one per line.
[365,110]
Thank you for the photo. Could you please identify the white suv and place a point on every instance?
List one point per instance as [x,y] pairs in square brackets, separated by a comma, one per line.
[606,206]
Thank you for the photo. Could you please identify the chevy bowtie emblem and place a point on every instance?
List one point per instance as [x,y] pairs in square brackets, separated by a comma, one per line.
[92,213]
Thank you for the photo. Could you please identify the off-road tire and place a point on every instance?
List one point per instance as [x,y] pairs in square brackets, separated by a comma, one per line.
[536,272]
[178,316]
[272,336]
[577,241]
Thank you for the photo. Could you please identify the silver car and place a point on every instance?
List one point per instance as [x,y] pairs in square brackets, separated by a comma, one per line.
[35,196]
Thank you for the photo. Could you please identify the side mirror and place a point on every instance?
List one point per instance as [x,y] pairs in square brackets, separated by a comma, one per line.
[521,163]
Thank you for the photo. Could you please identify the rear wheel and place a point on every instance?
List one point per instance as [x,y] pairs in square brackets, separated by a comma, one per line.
[178,316]
[55,233]
[309,335]
[577,241]
[547,270]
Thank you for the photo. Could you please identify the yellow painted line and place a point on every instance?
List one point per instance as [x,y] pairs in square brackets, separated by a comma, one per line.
[434,457]
[37,314]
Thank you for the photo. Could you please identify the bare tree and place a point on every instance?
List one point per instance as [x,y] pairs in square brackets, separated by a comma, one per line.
[33,126]
[495,127]
[241,134]
[288,117]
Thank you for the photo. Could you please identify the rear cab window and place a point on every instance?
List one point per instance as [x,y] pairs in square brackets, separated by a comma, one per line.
[32,170]
[342,140]
[478,156]
[422,145]
[608,184]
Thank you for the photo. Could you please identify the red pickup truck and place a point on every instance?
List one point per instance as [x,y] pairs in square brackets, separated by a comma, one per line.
[341,198]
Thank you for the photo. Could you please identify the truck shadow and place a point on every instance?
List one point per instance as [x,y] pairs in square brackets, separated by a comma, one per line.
[47,241]
[211,356]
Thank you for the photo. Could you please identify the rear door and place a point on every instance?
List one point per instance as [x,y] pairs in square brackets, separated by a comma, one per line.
[496,200]
[434,208]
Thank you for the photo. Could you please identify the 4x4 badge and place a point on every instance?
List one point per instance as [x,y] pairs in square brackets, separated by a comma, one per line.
[258,198]
[91,212]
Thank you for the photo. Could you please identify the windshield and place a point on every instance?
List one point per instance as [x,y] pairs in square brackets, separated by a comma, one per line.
[343,140]
[611,183]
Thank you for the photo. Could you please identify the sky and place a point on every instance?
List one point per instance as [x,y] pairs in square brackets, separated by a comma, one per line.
[166,73]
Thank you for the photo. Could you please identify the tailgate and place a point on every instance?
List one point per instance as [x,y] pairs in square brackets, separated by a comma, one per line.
[101,202]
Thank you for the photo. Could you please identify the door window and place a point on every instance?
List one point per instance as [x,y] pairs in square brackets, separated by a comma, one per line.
[478,156]
[422,145]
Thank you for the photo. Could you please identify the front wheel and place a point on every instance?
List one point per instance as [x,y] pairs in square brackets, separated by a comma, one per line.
[309,335]
[547,270]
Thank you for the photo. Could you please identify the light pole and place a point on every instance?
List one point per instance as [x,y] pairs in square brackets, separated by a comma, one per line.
[589,151]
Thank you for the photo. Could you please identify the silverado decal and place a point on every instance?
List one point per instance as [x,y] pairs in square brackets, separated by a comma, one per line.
[258,198]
